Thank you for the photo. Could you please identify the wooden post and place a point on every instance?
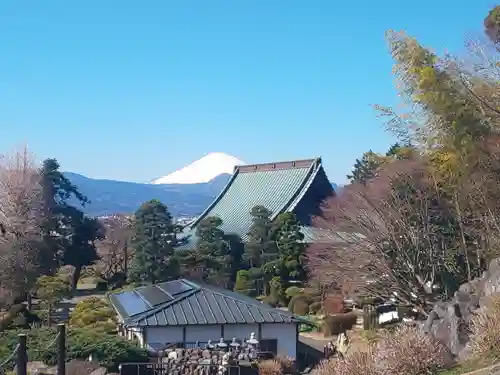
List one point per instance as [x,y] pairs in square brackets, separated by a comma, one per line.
[61,349]
[22,356]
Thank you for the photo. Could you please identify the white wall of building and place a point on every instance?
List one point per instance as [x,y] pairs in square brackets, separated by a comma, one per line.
[164,335]
[203,333]
[286,335]
[240,331]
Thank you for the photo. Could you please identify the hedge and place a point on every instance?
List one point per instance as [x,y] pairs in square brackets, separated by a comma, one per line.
[336,324]
[109,350]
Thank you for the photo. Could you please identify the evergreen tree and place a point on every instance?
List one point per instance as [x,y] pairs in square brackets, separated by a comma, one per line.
[68,236]
[81,250]
[213,253]
[291,248]
[365,168]
[57,213]
[153,241]
[260,245]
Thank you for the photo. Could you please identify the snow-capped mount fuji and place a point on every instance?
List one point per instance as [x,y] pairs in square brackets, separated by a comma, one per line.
[201,171]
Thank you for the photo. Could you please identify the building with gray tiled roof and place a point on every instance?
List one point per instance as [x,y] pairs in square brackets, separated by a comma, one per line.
[183,312]
[295,186]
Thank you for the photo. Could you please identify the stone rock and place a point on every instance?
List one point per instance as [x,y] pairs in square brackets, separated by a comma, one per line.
[449,321]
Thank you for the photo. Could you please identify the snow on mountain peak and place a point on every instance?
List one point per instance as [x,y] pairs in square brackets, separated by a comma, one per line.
[202,170]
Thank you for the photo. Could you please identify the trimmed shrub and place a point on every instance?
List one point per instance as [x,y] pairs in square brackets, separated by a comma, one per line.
[293,301]
[244,284]
[315,308]
[336,324]
[293,291]
[301,307]
[409,351]
[485,328]
[94,313]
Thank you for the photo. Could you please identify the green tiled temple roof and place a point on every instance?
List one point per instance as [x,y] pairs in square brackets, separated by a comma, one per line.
[277,186]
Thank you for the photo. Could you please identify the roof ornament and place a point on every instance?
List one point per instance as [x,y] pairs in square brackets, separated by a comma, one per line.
[209,345]
[252,340]
[221,343]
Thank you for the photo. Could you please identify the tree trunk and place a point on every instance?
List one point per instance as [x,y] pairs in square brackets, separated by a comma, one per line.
[76,277]
[49,315]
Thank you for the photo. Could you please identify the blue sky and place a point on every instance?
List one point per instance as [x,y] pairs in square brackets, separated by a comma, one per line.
[133,90]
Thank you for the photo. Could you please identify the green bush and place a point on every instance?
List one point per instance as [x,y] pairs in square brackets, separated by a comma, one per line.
[101,285]
[109,350]
[335,324]
[244,284]
[293,291]
[94,313]
[315,308]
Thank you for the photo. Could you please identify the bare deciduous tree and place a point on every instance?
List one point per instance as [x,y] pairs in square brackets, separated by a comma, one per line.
[20,218]
[390,243]
[114,249]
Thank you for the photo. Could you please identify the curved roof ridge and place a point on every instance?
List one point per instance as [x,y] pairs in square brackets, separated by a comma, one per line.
[287,164]
[215,201]
[293,203]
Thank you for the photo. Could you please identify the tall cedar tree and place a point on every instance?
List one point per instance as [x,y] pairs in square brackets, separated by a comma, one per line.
[153,241]
[68,236]
[213,252]
[260,246]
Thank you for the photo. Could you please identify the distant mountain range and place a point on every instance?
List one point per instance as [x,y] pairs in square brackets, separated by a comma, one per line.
[108,197]
[186,192]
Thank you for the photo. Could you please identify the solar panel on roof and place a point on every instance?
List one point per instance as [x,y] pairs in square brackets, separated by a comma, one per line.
[176,287]
[132,303]
[154,295]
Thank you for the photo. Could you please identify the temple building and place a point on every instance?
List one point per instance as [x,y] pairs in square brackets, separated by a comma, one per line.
[297,186]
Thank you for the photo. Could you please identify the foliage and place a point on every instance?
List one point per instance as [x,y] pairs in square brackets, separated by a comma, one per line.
[366,168]
[338,323]
[244,284]
[334,304]
[315,308]
[300,306]
[260,247]
[51,290]
[153,242]
[94,313]
[292,291]
[109,350]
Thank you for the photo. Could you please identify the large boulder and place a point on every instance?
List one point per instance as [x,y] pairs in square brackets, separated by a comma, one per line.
[449,321]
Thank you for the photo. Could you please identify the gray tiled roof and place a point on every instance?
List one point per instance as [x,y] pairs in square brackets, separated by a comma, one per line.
[193,304]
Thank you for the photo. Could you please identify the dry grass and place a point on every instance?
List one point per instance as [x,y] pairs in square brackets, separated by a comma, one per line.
[485,329]
[408,351]
[405,351]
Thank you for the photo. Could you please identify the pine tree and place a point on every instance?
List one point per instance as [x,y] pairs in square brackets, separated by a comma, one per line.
[260,246]
[291,248]
[213,253]
[365,168]
[153,241]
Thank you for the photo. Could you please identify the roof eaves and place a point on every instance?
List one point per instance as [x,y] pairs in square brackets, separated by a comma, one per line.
[302,190]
